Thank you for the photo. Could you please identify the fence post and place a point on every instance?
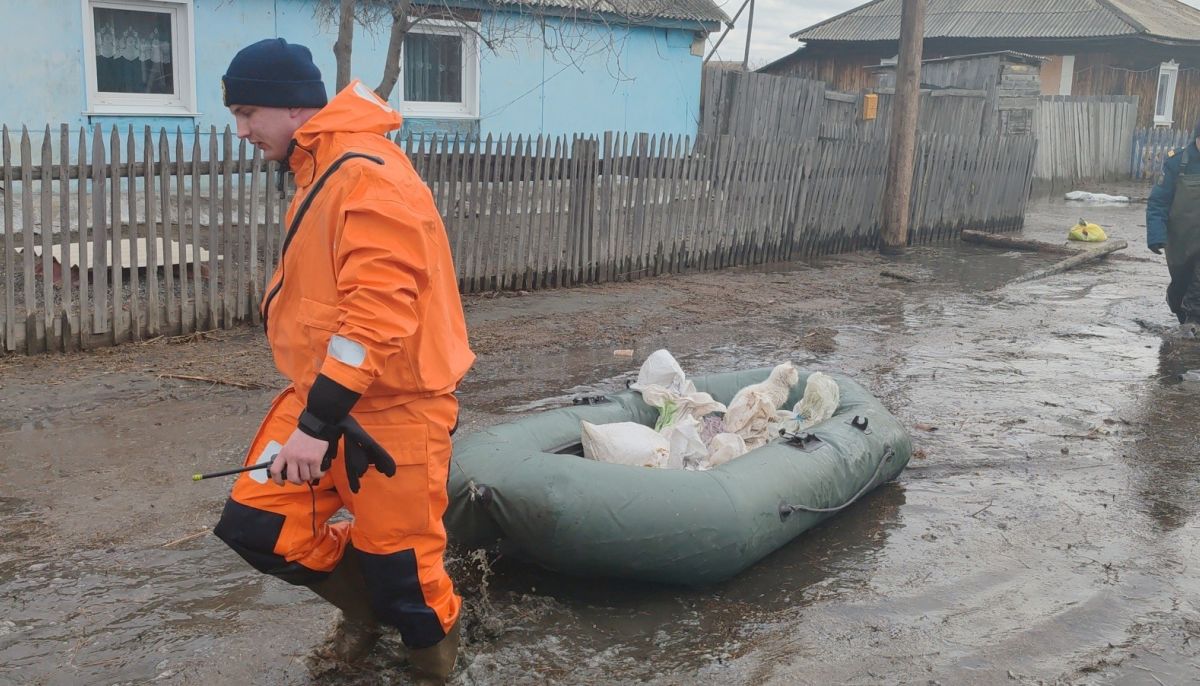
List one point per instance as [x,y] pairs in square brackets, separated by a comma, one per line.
[584,152]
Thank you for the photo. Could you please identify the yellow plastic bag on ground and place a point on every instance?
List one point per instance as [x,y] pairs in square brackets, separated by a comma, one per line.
[1087,231]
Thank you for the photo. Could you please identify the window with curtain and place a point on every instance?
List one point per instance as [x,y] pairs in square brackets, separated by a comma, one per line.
[433,67]
[440,71]
[139,56]
[133,51]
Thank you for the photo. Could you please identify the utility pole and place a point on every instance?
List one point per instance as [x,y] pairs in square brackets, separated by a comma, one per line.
[749,32]
[902,146]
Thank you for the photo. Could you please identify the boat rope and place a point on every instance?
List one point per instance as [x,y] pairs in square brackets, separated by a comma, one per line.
[786,510]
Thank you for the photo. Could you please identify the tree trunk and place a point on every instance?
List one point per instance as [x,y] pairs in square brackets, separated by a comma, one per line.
[391,65]
[905,110]
[344,47]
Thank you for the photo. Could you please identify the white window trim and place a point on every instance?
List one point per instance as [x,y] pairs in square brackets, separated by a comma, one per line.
[1171,69]
[1066,77]
[469,108]
[183,42]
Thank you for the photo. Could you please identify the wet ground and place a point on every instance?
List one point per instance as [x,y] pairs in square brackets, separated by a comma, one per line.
[1046,532]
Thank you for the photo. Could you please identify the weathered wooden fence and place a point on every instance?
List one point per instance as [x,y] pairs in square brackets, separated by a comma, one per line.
[104,245]
[1083,138]
[1150,148]
[750,104]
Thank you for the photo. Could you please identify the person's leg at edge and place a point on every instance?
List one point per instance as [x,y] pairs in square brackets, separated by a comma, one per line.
[398,535]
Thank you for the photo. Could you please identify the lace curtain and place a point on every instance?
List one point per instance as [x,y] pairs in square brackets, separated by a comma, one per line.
[133,51]
[432,68]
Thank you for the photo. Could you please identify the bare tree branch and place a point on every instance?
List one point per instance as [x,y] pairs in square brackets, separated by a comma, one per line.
[391,65]
[344,46]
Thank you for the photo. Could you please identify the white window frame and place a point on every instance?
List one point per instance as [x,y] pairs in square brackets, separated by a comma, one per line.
[469,107]
[1171,71]
[1066,77]
[183,41]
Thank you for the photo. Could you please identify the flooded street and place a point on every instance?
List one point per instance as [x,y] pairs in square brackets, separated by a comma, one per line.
[1044,533]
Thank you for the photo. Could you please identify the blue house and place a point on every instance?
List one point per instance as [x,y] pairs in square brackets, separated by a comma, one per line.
[483,67]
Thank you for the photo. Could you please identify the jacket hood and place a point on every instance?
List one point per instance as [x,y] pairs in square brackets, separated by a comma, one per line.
[356,109]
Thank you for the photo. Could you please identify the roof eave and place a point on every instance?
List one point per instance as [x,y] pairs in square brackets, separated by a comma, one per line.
[708,25]
[834,18]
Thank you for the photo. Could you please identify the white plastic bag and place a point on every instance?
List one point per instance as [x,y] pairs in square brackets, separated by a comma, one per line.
[1099,198]
[660,373]
[725,447]
[687,448]
[752,412]
[663,384]
[627,443]
[821,399]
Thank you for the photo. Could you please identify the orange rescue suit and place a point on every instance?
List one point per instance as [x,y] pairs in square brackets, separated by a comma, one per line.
[366,295]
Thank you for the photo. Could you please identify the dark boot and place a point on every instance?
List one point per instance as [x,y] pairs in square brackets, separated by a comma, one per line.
[356,631]
[432,666]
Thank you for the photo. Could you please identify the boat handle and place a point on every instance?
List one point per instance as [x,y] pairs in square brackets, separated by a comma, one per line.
[589,400]
[786,510]
[861,423]
[805,441]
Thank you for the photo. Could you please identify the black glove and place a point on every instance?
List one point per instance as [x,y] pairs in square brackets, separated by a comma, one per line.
[361,452]
[1157,248]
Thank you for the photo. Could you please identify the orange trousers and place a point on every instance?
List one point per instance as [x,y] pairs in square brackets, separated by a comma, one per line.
[396,530]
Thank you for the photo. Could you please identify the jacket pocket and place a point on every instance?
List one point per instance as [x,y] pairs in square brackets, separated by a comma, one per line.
[406,494]
[318,315]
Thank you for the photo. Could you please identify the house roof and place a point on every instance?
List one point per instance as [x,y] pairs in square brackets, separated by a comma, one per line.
[704,11]
[879,20]
[1010,55]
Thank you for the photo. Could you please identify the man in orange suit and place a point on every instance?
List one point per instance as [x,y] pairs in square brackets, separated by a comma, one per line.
[364,318]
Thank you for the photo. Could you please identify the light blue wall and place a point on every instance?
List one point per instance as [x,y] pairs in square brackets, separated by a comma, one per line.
[588,78]
[545,76]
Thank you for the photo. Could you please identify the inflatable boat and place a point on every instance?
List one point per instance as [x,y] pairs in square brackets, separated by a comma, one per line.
[524,487]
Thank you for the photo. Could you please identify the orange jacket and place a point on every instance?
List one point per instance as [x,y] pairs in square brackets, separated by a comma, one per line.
[365,293]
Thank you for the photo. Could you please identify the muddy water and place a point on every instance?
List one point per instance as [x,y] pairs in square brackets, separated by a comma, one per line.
[1048,533]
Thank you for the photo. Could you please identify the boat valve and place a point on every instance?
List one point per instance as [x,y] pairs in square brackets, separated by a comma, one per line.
[480,493]
[860,423]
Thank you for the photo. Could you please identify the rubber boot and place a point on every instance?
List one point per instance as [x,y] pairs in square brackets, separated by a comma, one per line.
[356,631]
[432,666]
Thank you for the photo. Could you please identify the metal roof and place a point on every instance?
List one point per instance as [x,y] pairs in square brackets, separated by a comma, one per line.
[879,20]
[705,11]
[1011,55]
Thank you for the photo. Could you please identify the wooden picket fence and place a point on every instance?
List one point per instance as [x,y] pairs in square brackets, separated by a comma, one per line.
[122,237]
[1150,148]
[1083,138]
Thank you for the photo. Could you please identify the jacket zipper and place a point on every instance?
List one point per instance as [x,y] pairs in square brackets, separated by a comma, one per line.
[303,209]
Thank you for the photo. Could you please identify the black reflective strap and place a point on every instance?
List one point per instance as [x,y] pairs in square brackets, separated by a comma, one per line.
[397,598]
[303,210]
[253,533]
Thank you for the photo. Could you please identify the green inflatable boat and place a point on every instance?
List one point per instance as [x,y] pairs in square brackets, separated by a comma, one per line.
[525,487]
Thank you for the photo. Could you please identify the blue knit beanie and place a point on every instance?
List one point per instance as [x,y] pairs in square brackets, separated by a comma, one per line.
[273,73]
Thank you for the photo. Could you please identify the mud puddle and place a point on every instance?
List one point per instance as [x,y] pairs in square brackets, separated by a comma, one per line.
[1045,532]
